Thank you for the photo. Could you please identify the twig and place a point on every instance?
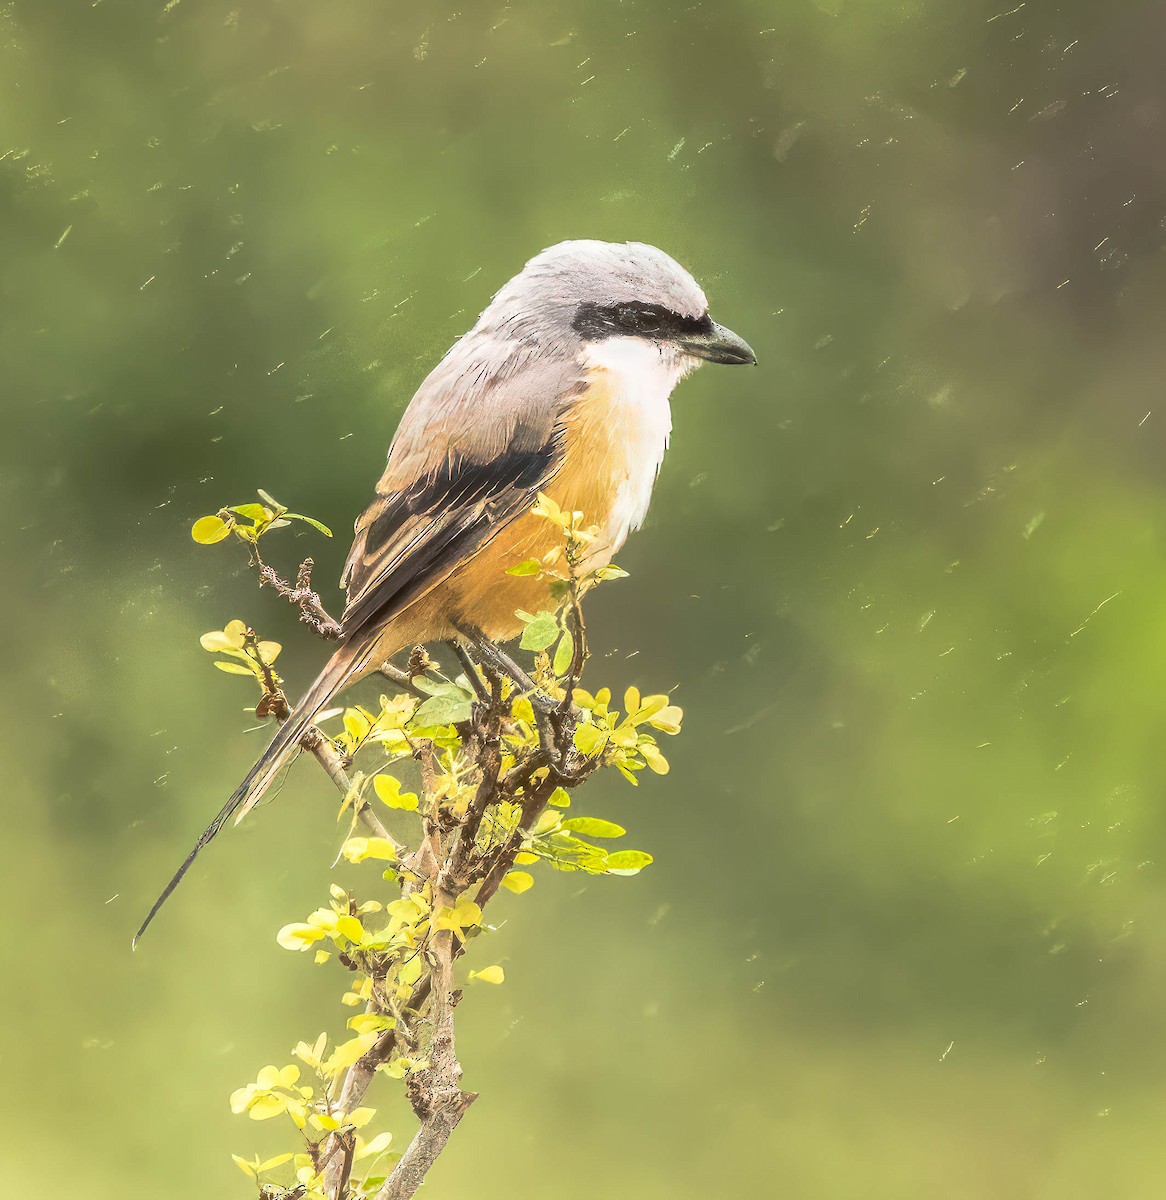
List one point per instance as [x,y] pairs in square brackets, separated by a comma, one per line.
[320,745]
[471,671]
[579,651]
[451,858]
[312,610]
[402,679]
[435,1091]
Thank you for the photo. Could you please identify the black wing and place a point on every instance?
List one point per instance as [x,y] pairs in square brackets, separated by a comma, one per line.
[410,540]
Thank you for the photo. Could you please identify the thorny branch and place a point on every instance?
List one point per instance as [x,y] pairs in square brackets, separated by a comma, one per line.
[456,856]
[300,594]
[452,860]
[274,704]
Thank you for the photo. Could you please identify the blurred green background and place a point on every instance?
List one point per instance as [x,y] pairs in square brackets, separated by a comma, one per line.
[906,934]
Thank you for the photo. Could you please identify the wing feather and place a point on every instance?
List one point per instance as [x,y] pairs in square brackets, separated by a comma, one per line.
[479,441]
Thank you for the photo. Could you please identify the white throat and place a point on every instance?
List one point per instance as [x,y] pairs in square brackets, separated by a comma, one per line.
[641,375]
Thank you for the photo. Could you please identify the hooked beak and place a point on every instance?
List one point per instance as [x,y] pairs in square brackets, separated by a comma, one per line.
[718,345]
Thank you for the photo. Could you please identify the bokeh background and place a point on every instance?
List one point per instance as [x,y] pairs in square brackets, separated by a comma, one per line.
[906,933]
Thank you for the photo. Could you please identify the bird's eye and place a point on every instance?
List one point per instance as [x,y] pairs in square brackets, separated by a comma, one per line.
[649,321]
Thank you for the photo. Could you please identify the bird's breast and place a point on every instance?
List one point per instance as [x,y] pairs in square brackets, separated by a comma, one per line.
[614,440]
[616,437]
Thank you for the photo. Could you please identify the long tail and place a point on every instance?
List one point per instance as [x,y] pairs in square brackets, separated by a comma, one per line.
[341,667]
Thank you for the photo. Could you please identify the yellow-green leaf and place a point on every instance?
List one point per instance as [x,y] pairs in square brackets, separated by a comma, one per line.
[667,720]
[208,530]
[356,724]
[219,640]
[540,632]
[388,790]
[298,936]
[269,651]
[263,1108]
[518,881]
[594,827]
[348,1052]
[350,927]
[233,668]
[463,915]
[258,513]
[531,566]
[627,862]
[357,849]
[564,654]
[373,1147]
[494,975]
[370,1021]
[652,756]
[319,526]
[590,739]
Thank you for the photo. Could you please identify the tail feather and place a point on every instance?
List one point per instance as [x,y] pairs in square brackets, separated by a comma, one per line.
[340,669]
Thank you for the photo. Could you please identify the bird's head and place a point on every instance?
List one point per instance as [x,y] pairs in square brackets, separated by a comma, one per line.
[595,296]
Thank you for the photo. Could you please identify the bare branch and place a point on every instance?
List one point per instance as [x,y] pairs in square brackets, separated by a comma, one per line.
[312,610]
[435,1092]
[402,679]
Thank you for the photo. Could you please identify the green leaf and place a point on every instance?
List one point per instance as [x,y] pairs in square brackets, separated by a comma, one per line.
[560,797]
[271,502]
[540,632]
[319,526]
[564,654]
[208,530]
[531,566]
[448,705]
[254,512]
[594,827]
[518,881]
[627,862]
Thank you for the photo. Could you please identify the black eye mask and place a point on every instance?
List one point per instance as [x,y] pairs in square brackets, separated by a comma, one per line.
[634,318]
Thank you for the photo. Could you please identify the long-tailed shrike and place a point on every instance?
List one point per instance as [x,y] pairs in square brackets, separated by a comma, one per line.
[561,387]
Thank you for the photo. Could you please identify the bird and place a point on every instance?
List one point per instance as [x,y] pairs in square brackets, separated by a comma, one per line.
[562,387]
